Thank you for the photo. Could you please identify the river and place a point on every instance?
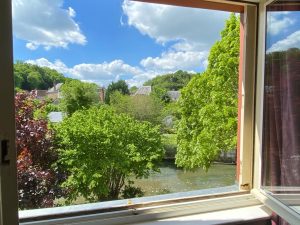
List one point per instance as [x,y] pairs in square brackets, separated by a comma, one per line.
[172,180]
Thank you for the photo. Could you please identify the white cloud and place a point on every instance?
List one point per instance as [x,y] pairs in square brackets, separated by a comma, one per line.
[72,12]
[102,73]
[278,22]
[31,46]
[57,65]
[45,23]
[291,41]
[106,72]
[198,28]
[170,61]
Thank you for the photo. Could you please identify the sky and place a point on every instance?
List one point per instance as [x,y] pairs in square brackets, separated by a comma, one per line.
[283,30]
[103,41]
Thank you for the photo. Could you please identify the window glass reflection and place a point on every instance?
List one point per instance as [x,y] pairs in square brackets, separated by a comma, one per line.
[281,128]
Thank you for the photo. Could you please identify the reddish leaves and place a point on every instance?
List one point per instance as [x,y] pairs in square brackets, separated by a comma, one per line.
[38,182]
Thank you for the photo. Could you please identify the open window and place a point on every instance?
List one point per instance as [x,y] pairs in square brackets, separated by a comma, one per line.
[251,130]
[280,150]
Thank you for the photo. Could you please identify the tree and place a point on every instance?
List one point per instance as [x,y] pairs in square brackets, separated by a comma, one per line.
[38,181]
[170,82]
[119,86]
[160,94]
[133,89]
[140,107]
[30,77]
[208,104]
[78,95]
[34,79]
[102,149]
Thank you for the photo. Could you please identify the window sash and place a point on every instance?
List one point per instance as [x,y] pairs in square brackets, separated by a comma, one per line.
[148,213]
[247,70]
[8,184]
[275,205]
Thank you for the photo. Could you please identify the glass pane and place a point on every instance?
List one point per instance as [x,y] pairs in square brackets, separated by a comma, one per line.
[121,100]
[281,126]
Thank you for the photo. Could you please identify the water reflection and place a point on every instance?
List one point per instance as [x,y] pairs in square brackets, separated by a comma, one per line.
[172,179]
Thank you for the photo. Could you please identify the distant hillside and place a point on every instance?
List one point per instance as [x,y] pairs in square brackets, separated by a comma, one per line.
[170,82]
[30,77]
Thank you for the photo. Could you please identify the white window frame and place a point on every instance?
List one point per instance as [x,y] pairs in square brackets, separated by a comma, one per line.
[250,139]
[275,205]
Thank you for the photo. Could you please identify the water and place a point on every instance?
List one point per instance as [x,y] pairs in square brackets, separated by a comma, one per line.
[172,179]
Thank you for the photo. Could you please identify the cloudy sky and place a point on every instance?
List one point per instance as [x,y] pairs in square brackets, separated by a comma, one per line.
[103,41]
[283,30]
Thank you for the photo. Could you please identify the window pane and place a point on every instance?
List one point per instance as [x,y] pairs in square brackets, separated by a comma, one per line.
[281,126]
[123,99]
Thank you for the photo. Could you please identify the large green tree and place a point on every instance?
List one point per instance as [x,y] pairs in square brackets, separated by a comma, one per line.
[140,107]
[120,86]
[208,104]
[78,95]
[30,77]
[101,149]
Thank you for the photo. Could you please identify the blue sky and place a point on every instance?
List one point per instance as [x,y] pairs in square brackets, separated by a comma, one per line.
[283,30]
[105,40]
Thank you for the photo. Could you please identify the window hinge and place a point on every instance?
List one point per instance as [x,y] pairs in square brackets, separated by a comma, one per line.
[245,186]
[4,152]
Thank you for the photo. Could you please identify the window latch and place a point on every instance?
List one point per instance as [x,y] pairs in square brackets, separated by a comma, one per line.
[4,152]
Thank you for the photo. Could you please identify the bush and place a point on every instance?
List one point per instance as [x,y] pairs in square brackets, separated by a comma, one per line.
[132,192]
[100,149]
[170,145]
[38,181]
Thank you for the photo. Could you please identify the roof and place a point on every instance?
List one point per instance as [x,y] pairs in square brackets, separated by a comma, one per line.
[55,88]
[144,90]
[55,117]
[174,95]
[40,94]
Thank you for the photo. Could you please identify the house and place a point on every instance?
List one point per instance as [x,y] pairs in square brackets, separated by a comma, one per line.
[144,90]
[101,92]
[56,117]
[40,94]
[54,92]
[174,95]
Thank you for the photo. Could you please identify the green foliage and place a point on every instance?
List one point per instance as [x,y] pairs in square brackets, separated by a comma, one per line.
[170,145]
[208,104]
[29,77]
[42,112]
[78,95]
[160,94]
[140,107]
[170,82]
[119,86]
[132,192]
[171,115]
[101,149]
[38,182]
[133,89]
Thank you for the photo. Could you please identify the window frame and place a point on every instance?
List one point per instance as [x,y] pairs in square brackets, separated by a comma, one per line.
[250,130]
[8,172]
[275,205]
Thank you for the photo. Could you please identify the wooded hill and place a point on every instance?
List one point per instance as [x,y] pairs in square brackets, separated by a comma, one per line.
[29,77]
[170,82]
